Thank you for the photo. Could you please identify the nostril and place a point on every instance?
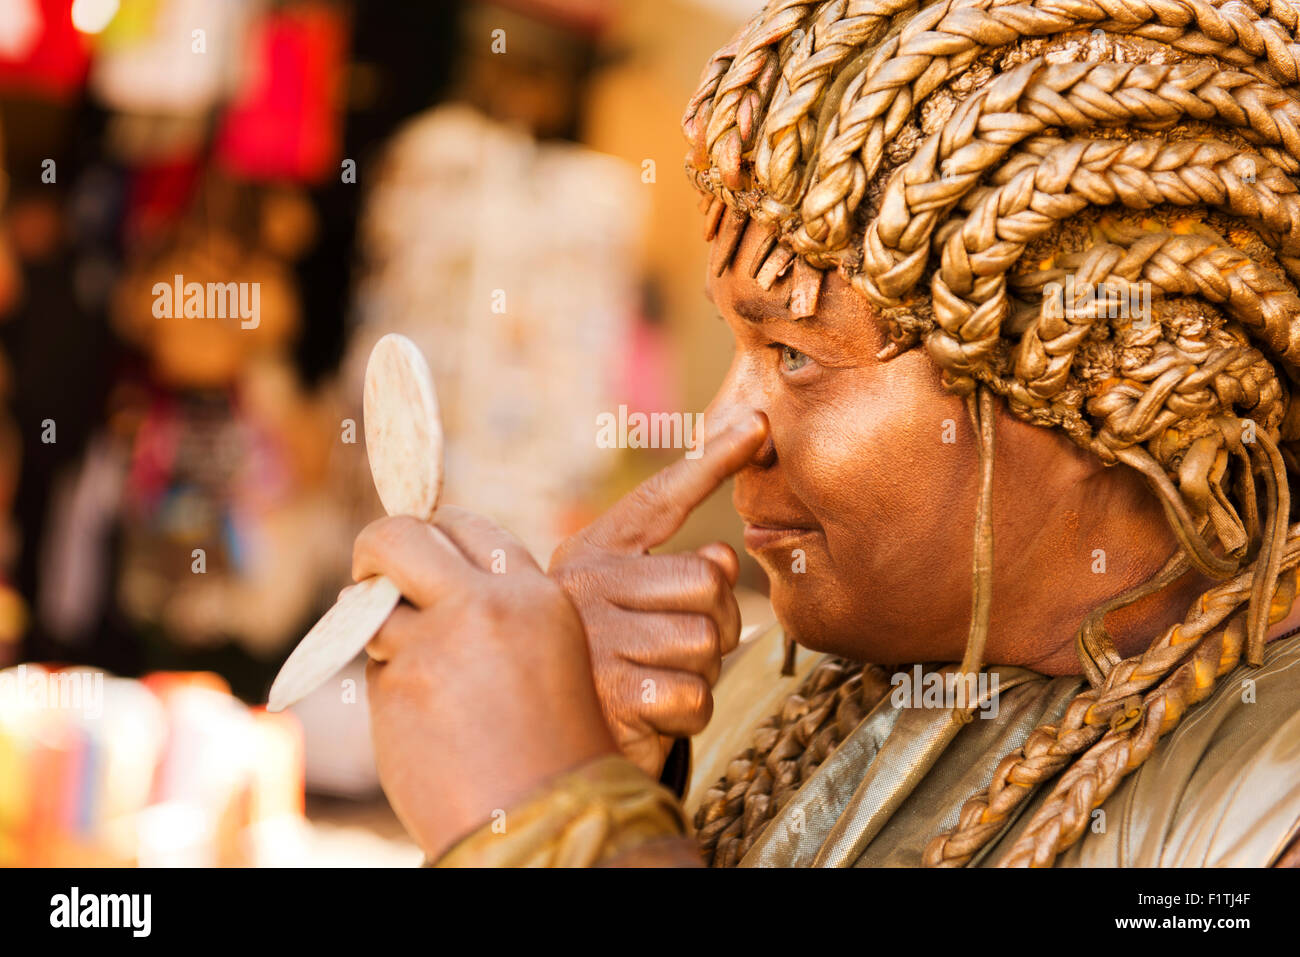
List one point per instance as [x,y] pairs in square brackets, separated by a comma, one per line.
[765,457]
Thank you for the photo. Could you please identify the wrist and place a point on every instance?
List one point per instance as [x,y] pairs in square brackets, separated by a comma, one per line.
[606,811]
[479,789]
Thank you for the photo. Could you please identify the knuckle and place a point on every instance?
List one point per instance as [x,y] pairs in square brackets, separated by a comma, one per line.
[704,639]
[403,674]
[701,575]
[494,606]
[395,530]
[651,492]
[587,585]
[529,599]
[639,696]
[381,537]
[715,579]
[697,703]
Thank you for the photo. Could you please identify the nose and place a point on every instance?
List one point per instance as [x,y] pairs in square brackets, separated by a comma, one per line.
[727,406]
[765,457]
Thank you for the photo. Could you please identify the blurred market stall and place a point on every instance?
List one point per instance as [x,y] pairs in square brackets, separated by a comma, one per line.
[209,211]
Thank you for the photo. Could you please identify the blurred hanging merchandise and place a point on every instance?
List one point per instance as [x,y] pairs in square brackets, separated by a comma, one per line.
[513,265]
[284,123]
[171,57]
[162,68]
[227,539]
[229,454]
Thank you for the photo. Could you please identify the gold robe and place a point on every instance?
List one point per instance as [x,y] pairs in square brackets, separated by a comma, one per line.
[1221,789]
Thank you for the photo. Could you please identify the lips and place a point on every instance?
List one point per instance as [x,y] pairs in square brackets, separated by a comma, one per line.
[766,535]
[772,519]
[767,531]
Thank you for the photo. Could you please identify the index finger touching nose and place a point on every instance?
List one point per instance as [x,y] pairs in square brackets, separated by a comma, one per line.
[650,514]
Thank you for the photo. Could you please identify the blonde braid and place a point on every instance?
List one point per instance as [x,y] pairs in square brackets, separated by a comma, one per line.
[1025,101]
[1065,815]
[944,39]
[742,92]
[841,30]
[1053,179]
[1111,711]
[786,749]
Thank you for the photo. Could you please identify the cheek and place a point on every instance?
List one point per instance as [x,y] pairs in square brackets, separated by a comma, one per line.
[869,460]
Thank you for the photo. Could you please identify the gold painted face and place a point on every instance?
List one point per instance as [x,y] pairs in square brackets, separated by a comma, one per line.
[952,175]
[859,509]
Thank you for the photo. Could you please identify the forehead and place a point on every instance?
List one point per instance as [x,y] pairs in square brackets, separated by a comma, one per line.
[748,271]
[844,320]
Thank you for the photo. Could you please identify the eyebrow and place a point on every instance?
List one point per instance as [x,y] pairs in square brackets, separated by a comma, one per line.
[754,309]
[757,309]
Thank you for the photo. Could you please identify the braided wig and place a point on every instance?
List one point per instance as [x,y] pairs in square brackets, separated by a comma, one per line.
[980,170]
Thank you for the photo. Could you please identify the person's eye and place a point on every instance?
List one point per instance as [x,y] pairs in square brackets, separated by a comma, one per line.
[792,360]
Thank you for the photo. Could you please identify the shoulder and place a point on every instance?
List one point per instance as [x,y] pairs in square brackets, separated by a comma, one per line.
[1222,788]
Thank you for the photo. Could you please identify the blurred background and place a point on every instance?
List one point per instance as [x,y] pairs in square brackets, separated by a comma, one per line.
[500,180]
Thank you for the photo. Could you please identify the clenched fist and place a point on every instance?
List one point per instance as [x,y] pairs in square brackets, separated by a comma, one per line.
[480,685]
[658,625]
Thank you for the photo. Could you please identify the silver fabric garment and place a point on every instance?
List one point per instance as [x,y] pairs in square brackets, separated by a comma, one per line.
[1221,789]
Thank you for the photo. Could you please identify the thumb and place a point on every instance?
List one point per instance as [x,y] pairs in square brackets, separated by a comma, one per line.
[724,556]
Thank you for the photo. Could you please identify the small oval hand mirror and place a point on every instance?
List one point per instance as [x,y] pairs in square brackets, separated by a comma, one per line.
[404,445]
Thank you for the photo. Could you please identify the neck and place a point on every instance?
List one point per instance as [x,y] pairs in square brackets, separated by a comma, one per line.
[1132,628]
[1108,536]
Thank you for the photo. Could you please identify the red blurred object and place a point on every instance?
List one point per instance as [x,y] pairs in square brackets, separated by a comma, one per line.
[159,195]
[41,52]
[589,17]
[284,122]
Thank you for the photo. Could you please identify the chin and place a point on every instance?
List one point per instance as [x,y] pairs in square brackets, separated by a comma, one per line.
[819,615]
[807,614]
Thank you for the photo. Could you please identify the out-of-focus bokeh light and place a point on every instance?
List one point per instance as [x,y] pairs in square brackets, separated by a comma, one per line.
[20,28]
[92,16]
